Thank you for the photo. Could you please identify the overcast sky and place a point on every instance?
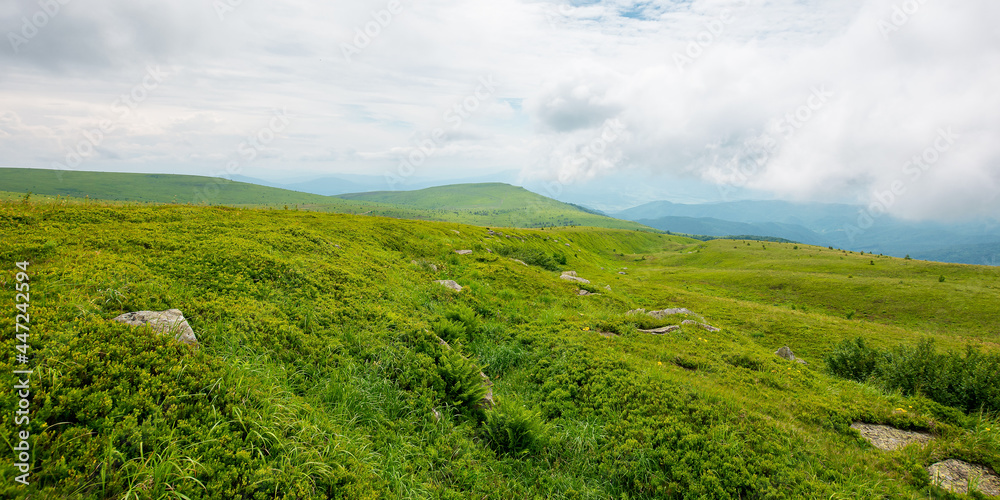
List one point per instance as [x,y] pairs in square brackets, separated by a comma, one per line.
[800,100]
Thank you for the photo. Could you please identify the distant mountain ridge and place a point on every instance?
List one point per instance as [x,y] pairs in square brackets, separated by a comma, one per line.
[973,242]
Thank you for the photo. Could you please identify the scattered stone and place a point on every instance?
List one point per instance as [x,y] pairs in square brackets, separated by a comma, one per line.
[523,263]
[463,252]
[336,246]
[786,353]
[703,326]
[488,401]
[663,313]
[567,244]
[571,276]
[889,438]
[662,330]
[957,476]
[607,287]
[489,251]
[605,334]
[436,414]
[427,265]
[450,284]
[583,292]
[162,322]
[621,272]
[455,231]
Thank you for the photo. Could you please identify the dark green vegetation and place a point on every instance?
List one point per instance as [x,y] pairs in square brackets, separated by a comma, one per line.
[970,382]
[320,374]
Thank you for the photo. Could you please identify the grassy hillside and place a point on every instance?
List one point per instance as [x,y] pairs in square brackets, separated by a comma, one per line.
[480,204]
[492,204]
[152,188]
[320,373]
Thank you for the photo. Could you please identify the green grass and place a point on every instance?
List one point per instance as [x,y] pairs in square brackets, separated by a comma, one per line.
[492,204]
[481,204]
[319,375]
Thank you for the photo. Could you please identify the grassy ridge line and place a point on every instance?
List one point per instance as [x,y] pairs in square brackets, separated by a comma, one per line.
[481,204]
[154,188]
[493,204]
[314,379]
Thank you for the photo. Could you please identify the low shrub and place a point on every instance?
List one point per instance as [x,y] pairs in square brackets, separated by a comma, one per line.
[970,382]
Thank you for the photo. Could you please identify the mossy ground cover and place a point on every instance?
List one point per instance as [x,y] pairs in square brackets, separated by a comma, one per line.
[319,373]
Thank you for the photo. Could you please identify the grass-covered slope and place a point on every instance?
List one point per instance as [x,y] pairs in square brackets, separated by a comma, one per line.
[492,204]
[480,204]
[151,188]
[320,373]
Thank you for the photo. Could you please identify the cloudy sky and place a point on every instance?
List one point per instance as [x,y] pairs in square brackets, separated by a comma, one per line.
[894,102]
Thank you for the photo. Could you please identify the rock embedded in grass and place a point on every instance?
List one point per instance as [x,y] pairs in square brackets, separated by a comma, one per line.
[889,438]
[957,476]
[163,322]
[703,326]
[571,276]
[662,330]
[786,353]
[450,284]
[463,252]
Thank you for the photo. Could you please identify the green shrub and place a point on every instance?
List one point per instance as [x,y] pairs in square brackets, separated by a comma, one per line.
[744,361]
[970,382]
[530,256]
[514,430]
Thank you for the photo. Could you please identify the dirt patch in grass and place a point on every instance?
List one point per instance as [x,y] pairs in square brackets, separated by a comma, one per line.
[889,438]
[960,477]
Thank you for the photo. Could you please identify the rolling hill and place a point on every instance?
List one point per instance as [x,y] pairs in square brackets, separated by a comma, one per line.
[148,188]
[333,364]
[495,204]
[491,204]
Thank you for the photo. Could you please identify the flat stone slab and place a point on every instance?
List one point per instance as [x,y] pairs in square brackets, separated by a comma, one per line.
[889,438]
[662,330]
[571,276]
[463,252]
[703,326]
[957,476]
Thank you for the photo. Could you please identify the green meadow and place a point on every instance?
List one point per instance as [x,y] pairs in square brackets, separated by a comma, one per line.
[321,374]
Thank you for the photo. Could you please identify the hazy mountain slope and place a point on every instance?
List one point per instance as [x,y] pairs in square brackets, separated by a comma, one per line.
[833,224]
[716,227]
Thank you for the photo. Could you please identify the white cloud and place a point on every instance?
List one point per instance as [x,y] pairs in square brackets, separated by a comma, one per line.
[575,68]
